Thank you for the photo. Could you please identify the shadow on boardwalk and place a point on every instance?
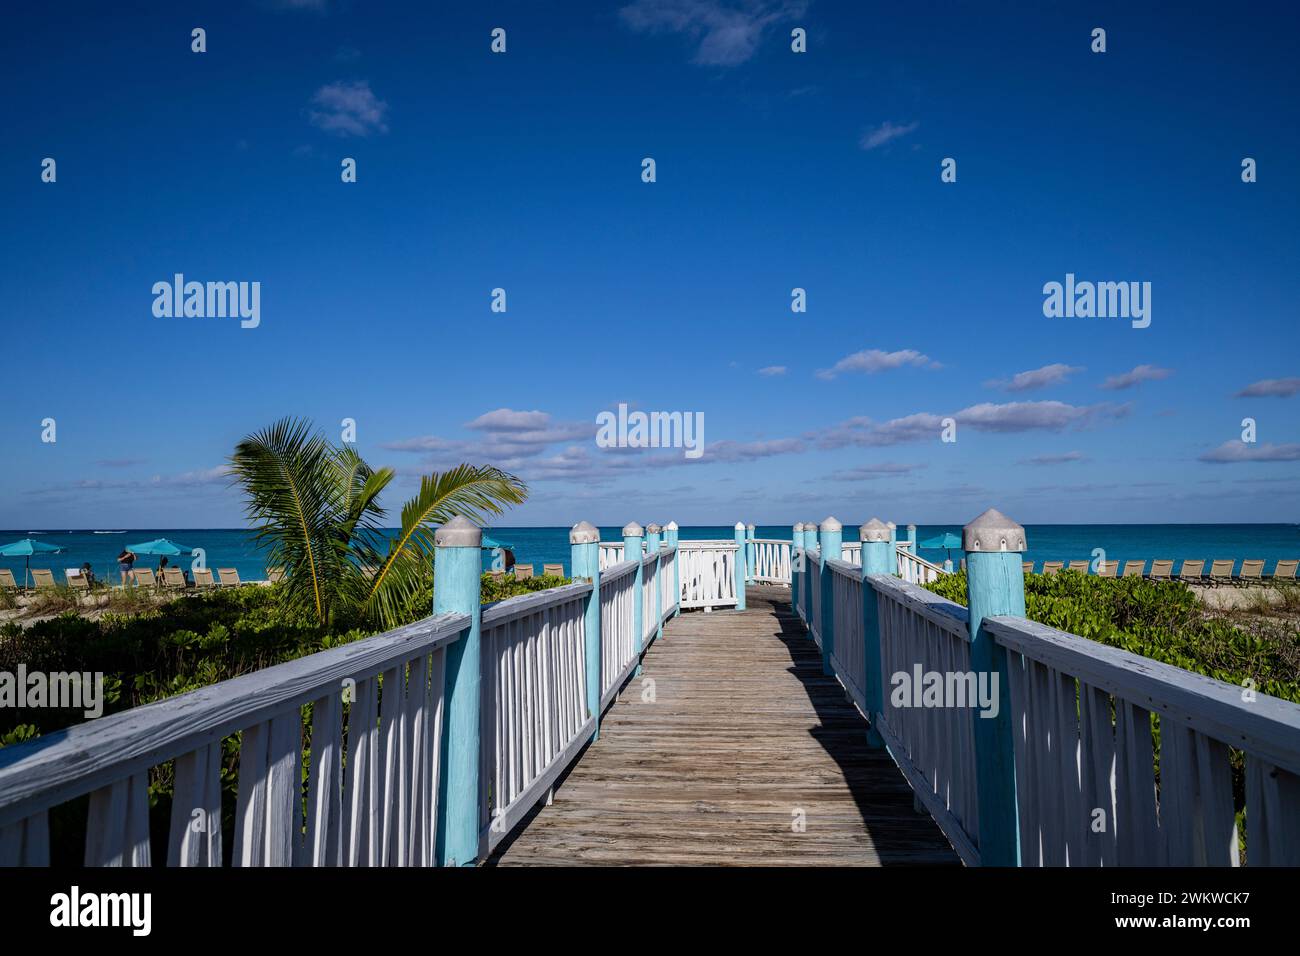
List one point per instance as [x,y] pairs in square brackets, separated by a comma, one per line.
[730,739]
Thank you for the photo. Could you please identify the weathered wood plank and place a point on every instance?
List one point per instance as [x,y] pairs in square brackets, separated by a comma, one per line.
[745,753]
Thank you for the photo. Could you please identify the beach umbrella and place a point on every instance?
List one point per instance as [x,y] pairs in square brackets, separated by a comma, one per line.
[491,544]
[25,549]
[160,546]
[943,542]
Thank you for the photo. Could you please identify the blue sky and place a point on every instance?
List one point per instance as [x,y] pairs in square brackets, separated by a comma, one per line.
[775,170]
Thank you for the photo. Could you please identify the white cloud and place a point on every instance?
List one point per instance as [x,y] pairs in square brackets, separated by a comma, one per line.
[1271,388]
[348,109]
[1061,459]
[1053,374]
[884,133]
[1231,452]
[1140,374]
[727,34]
[985,417]
[773,370]
[872,361]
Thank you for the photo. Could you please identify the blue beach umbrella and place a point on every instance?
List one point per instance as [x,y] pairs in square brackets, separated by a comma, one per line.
[160,546]
[25,548]
[491,544]
[943,542]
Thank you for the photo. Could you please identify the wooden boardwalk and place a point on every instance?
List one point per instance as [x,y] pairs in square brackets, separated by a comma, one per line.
[743,738]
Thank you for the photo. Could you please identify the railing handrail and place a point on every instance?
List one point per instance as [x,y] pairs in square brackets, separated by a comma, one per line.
[1267,727]
[616,571]
[68,763]
[949,615]
[508,609]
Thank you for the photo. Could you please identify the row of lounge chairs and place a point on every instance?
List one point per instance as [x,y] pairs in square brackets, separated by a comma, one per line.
[1191,572]
[525,571]
[172,579]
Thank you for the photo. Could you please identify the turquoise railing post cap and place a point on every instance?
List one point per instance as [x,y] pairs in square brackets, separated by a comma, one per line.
[584,532]
[993,531]
[831,524]
[874,530]
[631,530]
[459,532]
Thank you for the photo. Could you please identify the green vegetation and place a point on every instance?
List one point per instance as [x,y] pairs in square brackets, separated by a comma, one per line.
[1161,620]
[314,507]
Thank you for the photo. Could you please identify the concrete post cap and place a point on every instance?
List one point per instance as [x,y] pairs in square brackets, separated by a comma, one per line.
[459,532]
[798,526]
[874,530]
[890,525]
[671,526]
[993,531]
[632,530]
[831,524]
[810,525]
[749,527]
[584,532]
[740,526]
[653,528]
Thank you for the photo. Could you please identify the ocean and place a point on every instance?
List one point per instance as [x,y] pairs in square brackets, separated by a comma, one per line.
[232,548]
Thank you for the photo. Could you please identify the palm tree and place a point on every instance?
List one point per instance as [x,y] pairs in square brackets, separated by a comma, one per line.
[315,508]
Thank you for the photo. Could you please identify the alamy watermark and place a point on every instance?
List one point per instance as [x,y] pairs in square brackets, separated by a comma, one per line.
[210,300]
[962,689]
[1100,300]
[651,430]
[59,690]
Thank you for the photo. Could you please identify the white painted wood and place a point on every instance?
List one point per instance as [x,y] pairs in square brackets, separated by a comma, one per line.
[324,843]
[1272,815]
[195,836]
[707,574]
[117,825]
[26,842]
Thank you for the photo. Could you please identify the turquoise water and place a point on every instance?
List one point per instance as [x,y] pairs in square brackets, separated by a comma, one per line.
[227,548]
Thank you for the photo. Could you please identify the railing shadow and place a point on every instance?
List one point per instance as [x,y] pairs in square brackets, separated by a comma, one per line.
[900,834]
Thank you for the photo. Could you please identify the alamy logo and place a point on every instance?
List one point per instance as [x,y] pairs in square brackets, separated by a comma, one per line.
[949,689]
[59,690]
[74,908]
[209,300]
[651,430]
[1101,300]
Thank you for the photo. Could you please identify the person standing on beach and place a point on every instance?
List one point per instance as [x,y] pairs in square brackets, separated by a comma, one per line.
[125,562]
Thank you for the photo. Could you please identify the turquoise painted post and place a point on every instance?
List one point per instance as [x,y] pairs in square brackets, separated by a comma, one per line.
[911,537]
[457,571]
[876,557]
[740,565]
[677,567]
[809,544]
[652,547]
[995,586]
[751,554]
[584,542]
[632,538]
[832,545]
[893,547]
[796,562]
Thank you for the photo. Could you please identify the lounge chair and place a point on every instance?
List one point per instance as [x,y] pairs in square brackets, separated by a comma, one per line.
[274,575]
[497,576]
[553,570]
[1051,567]
[1285,570]
[523,571]
[174,579]
[1134,569]
[1221,571]
[1161,570]
[1026,567]
[144,577]
[77,581]
[1252,571]
[44,579]
[1107,569]
[1080,566]
[203,579]
[7,581]
[1192,572]
[229,577]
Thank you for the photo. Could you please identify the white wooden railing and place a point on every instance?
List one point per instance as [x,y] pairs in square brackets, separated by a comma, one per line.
[535,714]
[708,574]
[380,810]
[1084,741]
[915,569]
[618,655]
[771,561]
